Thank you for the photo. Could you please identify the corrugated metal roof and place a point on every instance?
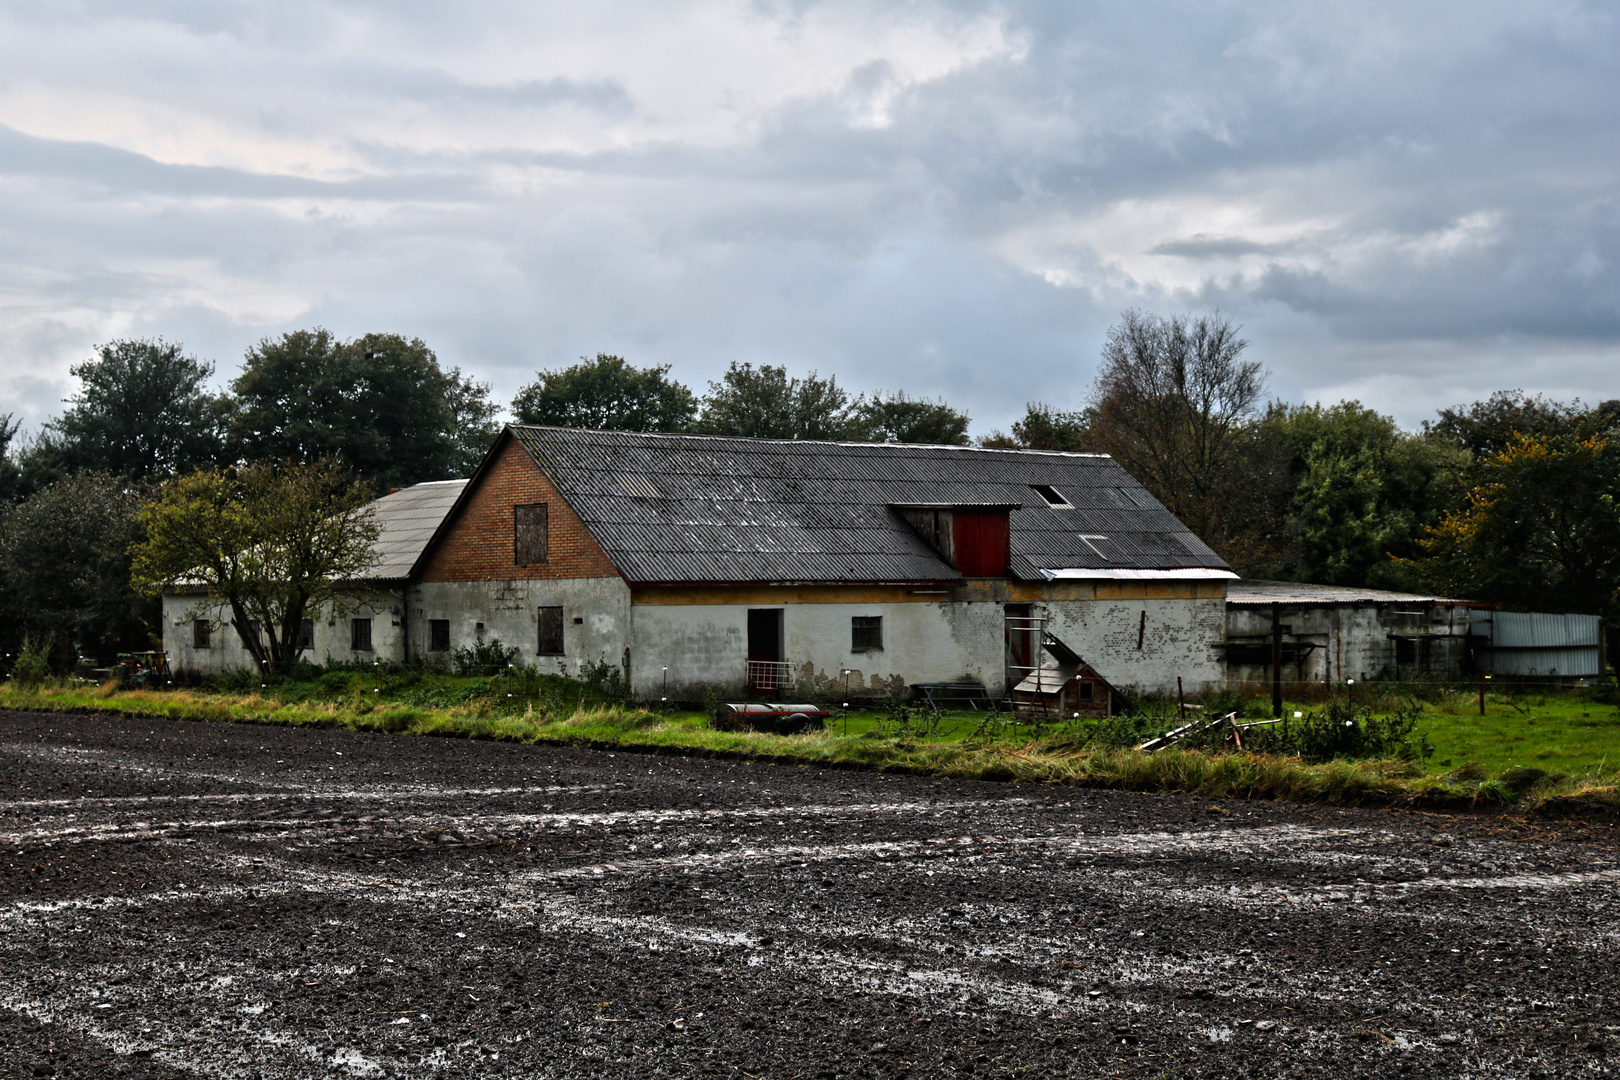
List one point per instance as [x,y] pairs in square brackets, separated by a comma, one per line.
[407,519]
[1242,593]
[692,508]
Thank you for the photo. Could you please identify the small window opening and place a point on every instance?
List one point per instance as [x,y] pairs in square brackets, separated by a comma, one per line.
[531,533]
[306,635]
[1052,495]
[360,635]
[866,633]
[1085,690]
[1405,651]
[202,634]
[551,632]
[438,635]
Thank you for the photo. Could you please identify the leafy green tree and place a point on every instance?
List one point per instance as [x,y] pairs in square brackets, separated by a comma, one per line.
[274,544]
[65,565]
[607,394]
[1539,532]
[764,403]
[10,472]
[380,403]
[899,419]
[1486,428]
[1362,491]
[143,410]
[1045,428]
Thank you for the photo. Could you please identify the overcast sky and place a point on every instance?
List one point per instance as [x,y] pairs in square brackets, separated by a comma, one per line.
[1410,204]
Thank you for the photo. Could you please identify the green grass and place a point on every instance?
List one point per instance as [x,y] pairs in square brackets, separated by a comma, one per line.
[1543,751]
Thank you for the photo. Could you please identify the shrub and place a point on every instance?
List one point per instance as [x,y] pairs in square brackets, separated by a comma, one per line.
[485,658]
[1344,730]
[34,662]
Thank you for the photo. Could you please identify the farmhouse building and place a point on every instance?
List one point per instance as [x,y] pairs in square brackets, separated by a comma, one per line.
[693,563]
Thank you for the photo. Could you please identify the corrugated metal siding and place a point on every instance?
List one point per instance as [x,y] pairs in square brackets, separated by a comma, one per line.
[694,508]
[1541,643]
[1562,662]
[1540,630]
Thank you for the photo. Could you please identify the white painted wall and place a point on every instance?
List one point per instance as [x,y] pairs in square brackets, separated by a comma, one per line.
[1177,639]
[226,652]
[946,641]
[596,618]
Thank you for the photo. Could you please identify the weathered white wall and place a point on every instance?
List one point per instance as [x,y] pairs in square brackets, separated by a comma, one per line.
[925,642]
[706,645]
[1354,640]
[1177,639]
[226,653]
[509,611]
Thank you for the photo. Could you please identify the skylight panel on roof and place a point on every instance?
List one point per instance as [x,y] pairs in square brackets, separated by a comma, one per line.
[1054,498]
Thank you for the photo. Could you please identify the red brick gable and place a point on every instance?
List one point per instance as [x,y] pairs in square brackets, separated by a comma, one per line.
[477,543]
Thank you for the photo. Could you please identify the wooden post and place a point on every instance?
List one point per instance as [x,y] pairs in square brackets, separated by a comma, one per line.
[1181,699]
[1482,691]
[1276,661]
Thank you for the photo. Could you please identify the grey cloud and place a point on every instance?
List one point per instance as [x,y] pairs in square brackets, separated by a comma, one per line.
[880,253]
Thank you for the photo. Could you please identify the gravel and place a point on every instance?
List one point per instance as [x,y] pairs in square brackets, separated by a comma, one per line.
[181,899]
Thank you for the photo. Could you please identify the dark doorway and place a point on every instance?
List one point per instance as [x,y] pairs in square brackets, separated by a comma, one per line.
[766,672]
[765,634]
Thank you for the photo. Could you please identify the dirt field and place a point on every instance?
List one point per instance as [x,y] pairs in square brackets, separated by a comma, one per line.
[216,900]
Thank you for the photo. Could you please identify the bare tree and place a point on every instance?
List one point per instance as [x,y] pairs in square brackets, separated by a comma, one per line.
[1171,403]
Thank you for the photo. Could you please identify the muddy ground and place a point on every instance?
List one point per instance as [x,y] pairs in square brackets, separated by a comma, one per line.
[183,900]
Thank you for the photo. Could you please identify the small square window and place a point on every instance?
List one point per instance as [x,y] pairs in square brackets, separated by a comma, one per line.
[438,635]
[306,635]
[866,633]
[202,634]
[551,632]
[1086,690]
[360,635]
[531,533]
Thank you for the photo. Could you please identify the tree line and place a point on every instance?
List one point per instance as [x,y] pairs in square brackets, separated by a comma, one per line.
[1508,499]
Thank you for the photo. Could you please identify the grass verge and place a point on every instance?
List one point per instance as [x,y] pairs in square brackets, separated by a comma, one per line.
[601,724]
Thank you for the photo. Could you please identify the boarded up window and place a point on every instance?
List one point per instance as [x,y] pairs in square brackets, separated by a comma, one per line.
[531,533]
[202,634]
[551,631]
[360,635]
[438,635]
[865,633]
[306,634]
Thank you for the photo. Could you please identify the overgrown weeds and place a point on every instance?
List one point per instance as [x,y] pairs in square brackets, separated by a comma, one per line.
[519,705]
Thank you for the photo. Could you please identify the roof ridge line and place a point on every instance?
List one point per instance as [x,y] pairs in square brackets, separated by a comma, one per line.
[810,442]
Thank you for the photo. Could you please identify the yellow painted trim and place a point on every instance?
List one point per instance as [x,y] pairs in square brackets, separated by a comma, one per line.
[974,590]
[769,595]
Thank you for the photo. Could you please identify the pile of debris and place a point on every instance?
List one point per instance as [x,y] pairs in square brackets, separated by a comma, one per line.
[1234,731]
